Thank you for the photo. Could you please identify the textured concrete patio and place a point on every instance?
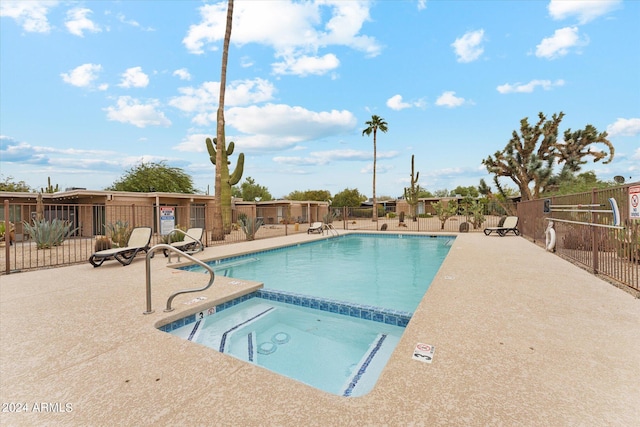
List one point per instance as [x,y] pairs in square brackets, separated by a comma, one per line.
[522,337]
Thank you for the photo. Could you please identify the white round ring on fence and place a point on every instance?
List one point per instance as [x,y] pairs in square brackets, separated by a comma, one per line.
[550,237]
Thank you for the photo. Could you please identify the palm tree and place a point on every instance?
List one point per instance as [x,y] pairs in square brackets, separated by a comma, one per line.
[218,228]
[376,123]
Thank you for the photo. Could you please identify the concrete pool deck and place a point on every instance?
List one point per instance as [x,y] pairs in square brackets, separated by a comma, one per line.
[522,337]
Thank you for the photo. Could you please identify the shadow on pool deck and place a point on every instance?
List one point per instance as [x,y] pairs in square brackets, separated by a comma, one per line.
[522,337]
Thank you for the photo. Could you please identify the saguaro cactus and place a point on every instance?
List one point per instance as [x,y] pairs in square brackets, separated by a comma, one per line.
[411,193]
[227,180]
[50,188]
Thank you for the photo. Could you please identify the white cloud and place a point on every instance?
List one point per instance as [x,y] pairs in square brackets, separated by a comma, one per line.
[132,22]
[246,62]
[560,43]
[183,74]
[77,22]
[293,124]
[325,157]
[203,101]
[448,99]
[468,47]
[13,151]
[585,10]
[31,15]
[422,4]
[295,30]
[305,65]
[130,110]
[624,127]
[320,158]
[134,77]
[194,143]
[528,87]
[396,103]
[381,168]
[84,76]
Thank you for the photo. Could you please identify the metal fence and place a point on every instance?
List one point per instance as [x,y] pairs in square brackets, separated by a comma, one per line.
[585,232]
[88,223]
[611,252]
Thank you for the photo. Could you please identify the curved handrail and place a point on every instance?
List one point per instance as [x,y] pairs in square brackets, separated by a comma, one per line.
[189,235]
[331,229]
[175,294]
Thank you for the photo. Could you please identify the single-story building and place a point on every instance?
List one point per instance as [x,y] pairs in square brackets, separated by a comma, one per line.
[90,211]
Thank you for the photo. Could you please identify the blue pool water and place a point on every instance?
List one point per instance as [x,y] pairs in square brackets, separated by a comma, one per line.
[331,311]
[340,354]
[390,271]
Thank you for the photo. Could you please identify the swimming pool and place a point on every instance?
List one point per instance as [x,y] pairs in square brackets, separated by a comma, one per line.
[391,270]
[361,288]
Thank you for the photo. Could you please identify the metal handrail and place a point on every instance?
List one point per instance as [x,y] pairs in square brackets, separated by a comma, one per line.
[175,294]
[331,229]
[186,234]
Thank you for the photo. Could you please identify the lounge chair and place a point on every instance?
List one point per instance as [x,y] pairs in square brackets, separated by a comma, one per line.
[192,242]
[510,224]
[138,242]
[316,227]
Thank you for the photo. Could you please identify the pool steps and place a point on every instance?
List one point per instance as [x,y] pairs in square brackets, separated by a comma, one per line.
[370,363]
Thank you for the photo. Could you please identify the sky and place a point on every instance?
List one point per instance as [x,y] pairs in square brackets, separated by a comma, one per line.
[90,89]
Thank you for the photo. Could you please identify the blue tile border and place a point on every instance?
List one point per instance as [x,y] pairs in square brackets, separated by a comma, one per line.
[363,368]
[365,312]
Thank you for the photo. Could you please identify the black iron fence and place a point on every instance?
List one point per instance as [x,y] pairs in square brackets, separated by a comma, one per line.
[585,235]
[588,230]
[90,224]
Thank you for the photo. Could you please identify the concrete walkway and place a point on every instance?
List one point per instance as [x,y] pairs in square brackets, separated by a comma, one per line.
[522,337]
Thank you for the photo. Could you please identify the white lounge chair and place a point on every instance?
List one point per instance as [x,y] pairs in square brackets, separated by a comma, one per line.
[510,224]
[138,241]
[316,227]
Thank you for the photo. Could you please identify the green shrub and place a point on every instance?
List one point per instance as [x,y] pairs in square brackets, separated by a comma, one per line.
[48,233]
[176,236]
[329,217]
[119,233]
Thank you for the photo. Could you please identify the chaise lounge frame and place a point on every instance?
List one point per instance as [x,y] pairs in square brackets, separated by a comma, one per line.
[510,224]
[138,242]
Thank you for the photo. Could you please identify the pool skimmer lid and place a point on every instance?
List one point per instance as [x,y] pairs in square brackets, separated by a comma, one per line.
[267,347]
[280,338]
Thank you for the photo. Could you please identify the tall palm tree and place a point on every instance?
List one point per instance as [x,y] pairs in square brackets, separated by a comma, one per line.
[376,123]
[218,228]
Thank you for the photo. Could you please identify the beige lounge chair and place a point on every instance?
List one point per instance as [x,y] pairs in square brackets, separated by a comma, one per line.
[192,242]
[138,241]
[510,224]
[316,227]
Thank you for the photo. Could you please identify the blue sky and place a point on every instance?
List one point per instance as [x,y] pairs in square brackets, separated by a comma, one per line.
[90,89]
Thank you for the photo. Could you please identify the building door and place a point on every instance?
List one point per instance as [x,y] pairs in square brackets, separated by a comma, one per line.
[196,216]
[98,220]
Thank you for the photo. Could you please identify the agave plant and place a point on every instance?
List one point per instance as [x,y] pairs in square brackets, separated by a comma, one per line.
[48,234]
[119,232]
[250,226]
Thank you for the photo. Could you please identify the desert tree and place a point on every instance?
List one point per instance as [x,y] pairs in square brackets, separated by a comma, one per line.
[529,157]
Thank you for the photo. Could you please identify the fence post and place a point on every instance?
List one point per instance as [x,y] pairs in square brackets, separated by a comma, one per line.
[7,232]
[594,233]
[345,217]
